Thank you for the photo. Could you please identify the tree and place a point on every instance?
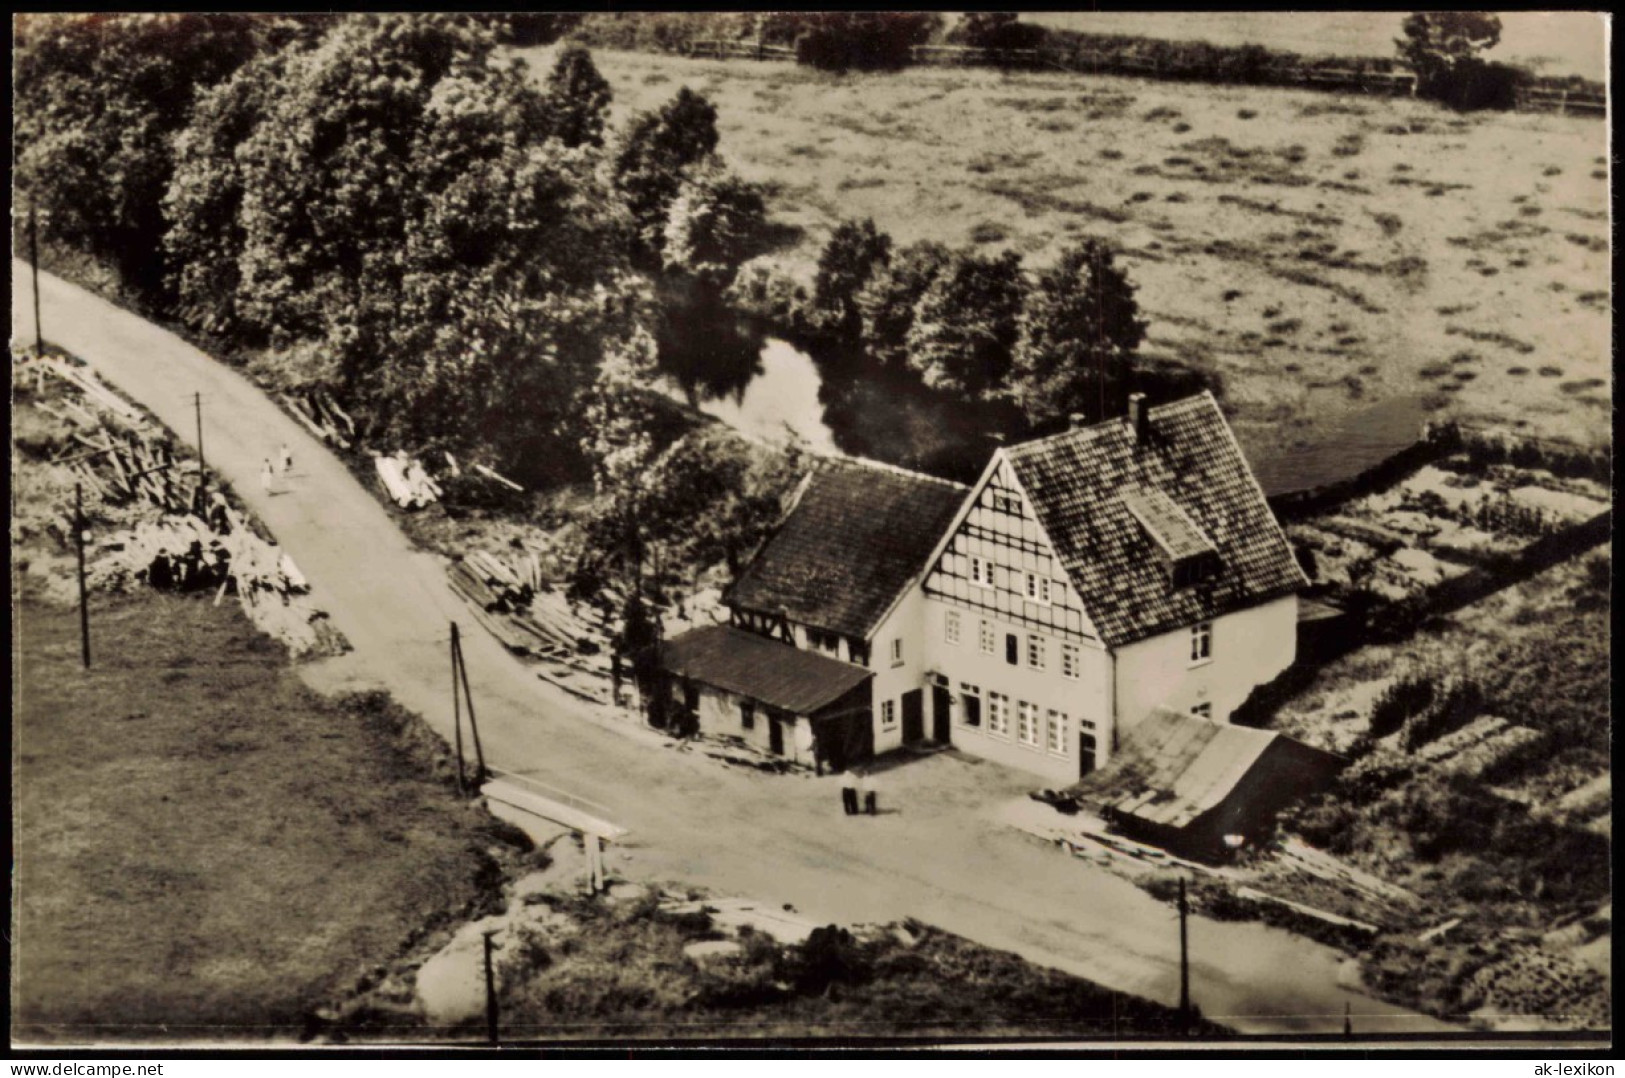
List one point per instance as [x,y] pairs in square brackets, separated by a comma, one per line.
[577,99]
[1443,48]
[966,324]
[97,99]
[886,303]
[654,158]
[395,204]
[855,252]
[996,30]
[864,41]
[715,224]
[1079,332]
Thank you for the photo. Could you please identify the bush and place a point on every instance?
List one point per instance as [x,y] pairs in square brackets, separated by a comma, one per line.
[1458,704]
[866,41]
[828,956]
[1408,696]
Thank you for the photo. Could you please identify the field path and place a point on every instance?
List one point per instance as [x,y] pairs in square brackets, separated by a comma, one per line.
[779,839]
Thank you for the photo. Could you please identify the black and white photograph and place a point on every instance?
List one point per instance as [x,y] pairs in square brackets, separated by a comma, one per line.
[811,531]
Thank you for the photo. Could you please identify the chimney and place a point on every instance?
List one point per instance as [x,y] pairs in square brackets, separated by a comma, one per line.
[1075,421]
[1137,417]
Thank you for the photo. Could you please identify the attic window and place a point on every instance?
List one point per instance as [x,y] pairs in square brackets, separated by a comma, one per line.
[1187,553]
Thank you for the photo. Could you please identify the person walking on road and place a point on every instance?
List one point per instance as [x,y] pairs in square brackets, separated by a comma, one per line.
[849,792]
[285,458]
[268,477]
[870,793]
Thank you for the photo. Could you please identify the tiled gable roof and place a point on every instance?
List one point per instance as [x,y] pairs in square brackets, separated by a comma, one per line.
[1077,482]
[858,536]
[775,673]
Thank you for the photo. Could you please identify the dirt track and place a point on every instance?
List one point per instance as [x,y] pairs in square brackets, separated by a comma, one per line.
[778,839]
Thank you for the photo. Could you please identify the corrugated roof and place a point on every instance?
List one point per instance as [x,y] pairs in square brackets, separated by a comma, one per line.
[749,664]
[857,537]
[1171,768]
[1077,481]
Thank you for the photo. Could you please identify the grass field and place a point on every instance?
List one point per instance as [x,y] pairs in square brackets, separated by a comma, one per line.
[1312,251]
[205,849]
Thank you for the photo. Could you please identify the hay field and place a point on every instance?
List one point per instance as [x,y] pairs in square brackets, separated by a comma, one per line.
[1315,251]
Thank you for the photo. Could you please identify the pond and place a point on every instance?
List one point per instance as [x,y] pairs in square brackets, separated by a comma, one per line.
[832,404]
[766,387]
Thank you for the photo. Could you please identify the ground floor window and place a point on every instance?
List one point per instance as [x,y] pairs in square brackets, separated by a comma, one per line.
[1055,732]
[998,714]
[747,714]
[888,714]
[970,700]
[1027,723]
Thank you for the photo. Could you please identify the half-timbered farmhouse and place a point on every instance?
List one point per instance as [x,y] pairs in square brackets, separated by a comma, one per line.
[1086,579]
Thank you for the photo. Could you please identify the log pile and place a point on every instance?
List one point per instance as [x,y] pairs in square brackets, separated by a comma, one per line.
[513,600]
[181,553]
[316,410]
[408,485]
[85,381]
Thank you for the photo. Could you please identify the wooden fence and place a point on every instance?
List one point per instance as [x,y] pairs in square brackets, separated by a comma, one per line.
[1564,102]
[1101,62]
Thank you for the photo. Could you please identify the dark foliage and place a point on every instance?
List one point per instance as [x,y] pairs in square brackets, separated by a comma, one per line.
[856,251]
[659,148]
[861,41]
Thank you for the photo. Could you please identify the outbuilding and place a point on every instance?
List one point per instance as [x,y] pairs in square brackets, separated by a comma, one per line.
[1201,789]
[801,705]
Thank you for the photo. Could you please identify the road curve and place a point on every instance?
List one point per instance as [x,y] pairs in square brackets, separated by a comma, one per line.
[774,838]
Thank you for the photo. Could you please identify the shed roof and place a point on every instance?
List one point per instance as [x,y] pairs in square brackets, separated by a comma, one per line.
[858,536]
[1114,505]
[1172,768]
[777,674]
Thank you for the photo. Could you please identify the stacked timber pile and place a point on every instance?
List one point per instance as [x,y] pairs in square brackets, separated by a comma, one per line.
[315,408]
[181,553]
[506,594]
[409,486]
[512,598]
[85,381]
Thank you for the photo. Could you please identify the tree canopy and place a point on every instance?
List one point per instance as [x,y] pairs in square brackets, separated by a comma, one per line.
[98,99]
[966,324]
[855,252]
[658,150]
[577,99]
[1445,50]
[393,196]
[1079,331]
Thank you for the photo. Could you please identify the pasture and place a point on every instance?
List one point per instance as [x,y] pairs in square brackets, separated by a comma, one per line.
[1313,252]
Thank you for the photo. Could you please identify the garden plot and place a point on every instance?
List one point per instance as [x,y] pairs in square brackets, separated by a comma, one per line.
[1439,523]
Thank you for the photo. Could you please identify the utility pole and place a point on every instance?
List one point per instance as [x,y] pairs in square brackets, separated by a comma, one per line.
[202,469]
[1184,963]
[79,545]
[473,727]
[490,992]
[33,259]
[457,712]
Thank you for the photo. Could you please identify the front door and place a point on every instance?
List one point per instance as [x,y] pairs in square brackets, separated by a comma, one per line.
[941,701]
[913,717]
[775,736]
[1086,753]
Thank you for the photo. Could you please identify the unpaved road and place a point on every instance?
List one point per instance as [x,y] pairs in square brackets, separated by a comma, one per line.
[774,838]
